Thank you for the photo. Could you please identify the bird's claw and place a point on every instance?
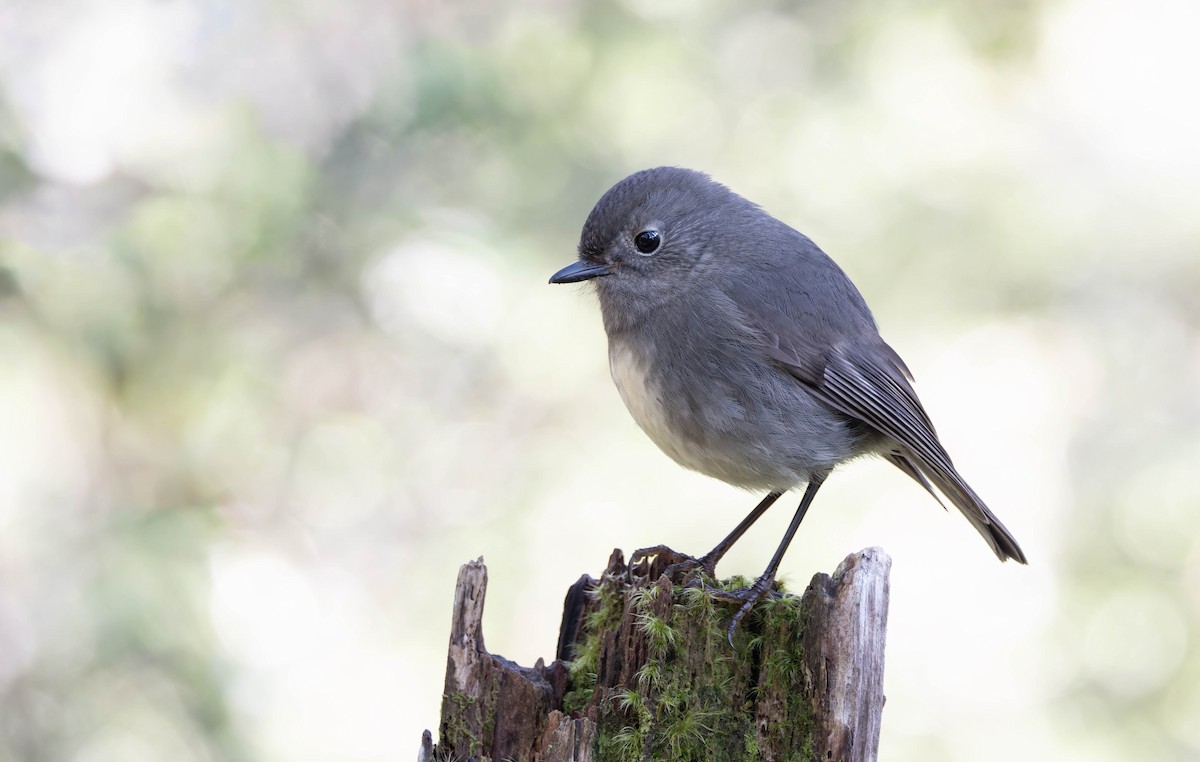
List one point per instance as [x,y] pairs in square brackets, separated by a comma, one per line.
[747,596]
[751,594]
[661,561]
[689,571]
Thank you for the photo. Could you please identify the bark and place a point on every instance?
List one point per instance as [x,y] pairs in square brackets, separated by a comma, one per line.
[644,671]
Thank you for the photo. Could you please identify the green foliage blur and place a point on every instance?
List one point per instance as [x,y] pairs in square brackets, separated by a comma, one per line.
[277,352]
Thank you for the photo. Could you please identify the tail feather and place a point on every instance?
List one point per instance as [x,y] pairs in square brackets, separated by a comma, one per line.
[957,491]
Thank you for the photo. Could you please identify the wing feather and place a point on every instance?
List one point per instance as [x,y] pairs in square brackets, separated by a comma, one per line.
[863,378]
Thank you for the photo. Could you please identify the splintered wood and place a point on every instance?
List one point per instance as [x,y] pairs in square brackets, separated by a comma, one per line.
[643,671]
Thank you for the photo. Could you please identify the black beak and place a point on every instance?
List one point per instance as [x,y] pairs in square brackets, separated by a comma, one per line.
[582,270]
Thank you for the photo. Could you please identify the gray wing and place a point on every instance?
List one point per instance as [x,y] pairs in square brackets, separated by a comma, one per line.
[864,378]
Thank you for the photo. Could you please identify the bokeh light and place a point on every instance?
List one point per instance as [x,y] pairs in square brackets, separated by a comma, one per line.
[278,354]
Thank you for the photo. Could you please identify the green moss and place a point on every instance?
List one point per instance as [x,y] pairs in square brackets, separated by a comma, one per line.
[582,670]
[627,742]
[649,676]
[694,697]
[681,711]
[457,732]
[751,746]
[575,699]
[624,745]
[659,633]
[736,582]
[784,621]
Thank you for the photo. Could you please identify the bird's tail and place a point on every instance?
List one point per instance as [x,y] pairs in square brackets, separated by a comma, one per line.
[957,491]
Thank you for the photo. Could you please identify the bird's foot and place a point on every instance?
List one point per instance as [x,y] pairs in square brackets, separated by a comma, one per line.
[747,596]
[689,571]
[660,560]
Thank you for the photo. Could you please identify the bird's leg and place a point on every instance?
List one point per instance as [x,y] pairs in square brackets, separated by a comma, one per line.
[748,596]
[681,563]
[709,560]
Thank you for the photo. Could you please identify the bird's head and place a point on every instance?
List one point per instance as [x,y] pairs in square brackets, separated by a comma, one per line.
[653,234]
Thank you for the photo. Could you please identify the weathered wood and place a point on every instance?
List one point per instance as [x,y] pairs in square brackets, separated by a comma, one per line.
[840,651]
[644,672]
[492,708]
[845,649]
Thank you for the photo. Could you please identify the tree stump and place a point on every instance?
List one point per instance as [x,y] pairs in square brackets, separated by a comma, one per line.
[644,672]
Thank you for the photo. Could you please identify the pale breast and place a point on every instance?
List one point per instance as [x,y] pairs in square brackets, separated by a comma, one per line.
[756,448]
[642,396]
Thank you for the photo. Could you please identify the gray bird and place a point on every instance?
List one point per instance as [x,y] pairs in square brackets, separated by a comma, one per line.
[747,354]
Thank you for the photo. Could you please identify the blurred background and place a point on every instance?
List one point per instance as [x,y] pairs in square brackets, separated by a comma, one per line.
[278,354]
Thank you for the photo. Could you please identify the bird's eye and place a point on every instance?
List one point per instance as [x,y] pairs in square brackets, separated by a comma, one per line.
[647,241]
